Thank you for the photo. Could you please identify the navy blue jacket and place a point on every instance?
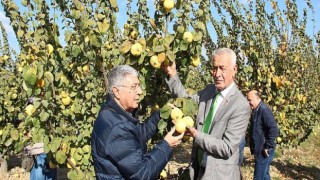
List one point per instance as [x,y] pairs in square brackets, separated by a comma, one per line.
[263,130]
[119,145]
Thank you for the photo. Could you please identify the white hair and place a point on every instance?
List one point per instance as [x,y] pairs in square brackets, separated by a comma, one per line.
[118,74]
[229,51]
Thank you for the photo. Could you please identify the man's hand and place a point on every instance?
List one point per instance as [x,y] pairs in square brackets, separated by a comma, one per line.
[192,131]
[171,70]
[173,140]
[266,152]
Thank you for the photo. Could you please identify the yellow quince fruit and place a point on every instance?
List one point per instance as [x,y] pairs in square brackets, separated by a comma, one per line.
[154,62]
[168,5]
[187,37]
[136,49]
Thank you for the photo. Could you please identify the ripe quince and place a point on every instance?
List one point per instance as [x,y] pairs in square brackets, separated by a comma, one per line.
[65,98]
[195,60]
[134,34]
[176,113]
[49,49]
[187,37]
[189,121]
[136,49]
[168,5]
[180,125]
[29,110]
[154,62]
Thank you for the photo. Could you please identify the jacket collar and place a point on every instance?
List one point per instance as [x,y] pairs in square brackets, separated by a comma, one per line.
[258,107]
[111,103]
[232,89]
[225,92]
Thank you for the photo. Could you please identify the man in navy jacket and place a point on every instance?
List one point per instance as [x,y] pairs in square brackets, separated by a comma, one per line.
[263,132]
[119,140]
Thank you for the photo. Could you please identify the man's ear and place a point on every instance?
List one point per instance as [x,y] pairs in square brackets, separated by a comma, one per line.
[115,92]
[235,69]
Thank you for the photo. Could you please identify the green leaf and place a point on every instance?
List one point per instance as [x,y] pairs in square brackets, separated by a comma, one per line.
[72,174]
[165,112]
[44,103]
[95,40]
[61,157]
[184,46]
[115,52]
[180,29]
[114,4]
[44,115]
[30,76]
[8,142]
[20,33]
[103,26]
[88,95]
[73,94]
[197,37]
[125,47]
[20,116]
[85,161]
[77,156]
[49,76]
[171,56]
[76,14]
[179,102]
[14,134]
[39,70]
[24,86]
[141,59]
[159,48]
[190,107]
[168,40]
[36,103]
[94,110]
[59,130]
[55,144]
[162,125]
[86,148]
[75,50]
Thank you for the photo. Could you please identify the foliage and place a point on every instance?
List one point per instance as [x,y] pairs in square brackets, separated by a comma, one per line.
[65,82]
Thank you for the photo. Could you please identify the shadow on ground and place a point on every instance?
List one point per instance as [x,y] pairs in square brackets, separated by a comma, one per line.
[293,171]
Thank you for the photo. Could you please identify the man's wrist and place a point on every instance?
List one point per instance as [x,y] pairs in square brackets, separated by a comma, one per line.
[173,73]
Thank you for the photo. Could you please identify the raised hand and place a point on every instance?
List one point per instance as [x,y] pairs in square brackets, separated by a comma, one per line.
[173,140]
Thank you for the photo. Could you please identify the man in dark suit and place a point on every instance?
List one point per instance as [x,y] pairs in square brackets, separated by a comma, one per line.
[221,121]
[263,132]
[119,140]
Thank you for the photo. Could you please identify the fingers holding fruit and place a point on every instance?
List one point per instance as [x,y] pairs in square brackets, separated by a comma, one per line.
[173,140]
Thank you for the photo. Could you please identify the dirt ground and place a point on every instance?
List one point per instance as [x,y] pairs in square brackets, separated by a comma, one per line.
[301,163]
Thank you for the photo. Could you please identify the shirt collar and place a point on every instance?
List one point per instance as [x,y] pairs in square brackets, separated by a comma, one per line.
[224,92]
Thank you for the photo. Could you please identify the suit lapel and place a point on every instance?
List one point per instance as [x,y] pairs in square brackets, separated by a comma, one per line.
[223,106]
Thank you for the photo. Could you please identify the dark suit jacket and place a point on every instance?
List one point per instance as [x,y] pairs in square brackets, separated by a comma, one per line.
[263,130]
[119,145]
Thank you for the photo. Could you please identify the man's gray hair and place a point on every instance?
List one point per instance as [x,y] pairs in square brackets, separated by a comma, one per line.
[229,51]
[118,74]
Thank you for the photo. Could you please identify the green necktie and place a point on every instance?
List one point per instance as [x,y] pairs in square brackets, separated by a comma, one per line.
[210,115]
[207,124]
